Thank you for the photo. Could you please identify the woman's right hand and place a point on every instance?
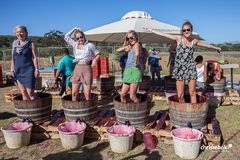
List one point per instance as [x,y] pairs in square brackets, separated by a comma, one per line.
[77,28]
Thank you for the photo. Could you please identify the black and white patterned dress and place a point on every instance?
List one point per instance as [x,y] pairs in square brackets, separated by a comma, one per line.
[184,66]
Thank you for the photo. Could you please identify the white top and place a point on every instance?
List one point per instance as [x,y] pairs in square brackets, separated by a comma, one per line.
[82,55]
[200,74]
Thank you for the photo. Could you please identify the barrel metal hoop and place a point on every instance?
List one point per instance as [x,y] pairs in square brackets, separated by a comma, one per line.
[31,115]
[132,112]
[79,110]
[31,109]
[187,113]
[79,115]
[37,119]
[193,124]
[132,118]
[133,123]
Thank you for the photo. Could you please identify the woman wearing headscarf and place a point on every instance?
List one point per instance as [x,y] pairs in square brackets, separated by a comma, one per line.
[24,63]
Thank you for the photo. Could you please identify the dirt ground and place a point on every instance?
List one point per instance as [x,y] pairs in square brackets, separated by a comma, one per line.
[228,117]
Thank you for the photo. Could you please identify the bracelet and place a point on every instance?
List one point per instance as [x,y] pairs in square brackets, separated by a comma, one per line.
[36,69]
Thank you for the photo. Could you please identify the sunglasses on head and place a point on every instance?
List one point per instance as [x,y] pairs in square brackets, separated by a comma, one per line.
[186,30]
[77,38]
[130,38]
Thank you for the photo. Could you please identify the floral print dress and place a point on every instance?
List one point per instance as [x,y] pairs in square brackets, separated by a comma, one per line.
[184,66]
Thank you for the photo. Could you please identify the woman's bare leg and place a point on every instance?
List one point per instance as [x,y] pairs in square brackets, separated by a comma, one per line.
[123,92]
[192,90]
[180,90]
[133,92]
[75,91]
[23,90]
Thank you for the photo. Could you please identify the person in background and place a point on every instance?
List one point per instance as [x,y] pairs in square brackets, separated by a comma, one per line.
[65,67]
[171,59]
[153,61]
[122,61]
[86,56]
[24,64]
[201,75]
[184,66]
[132,74]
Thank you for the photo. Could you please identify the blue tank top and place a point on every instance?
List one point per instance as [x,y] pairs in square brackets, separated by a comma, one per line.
[130,59]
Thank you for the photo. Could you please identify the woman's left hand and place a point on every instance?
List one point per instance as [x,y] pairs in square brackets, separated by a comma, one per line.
[36,73]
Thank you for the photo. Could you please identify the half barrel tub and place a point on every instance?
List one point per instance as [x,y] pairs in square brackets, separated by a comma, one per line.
[105,84]
[217,86]
[38,110]
[136,113]
[145,84]
[185,114]
[80,109]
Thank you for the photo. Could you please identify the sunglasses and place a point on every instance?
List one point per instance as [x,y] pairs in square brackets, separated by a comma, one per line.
[186,30]
[77,38]
[130,38]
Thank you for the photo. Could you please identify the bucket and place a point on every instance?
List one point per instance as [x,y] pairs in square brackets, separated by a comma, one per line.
[71,134]
[80,109]
[17,134]
[38,110]
[121,138]
[187,142]
[136,113]
[182,114]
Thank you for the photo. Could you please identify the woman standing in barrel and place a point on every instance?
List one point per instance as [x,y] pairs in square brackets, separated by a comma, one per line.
[24,63]
[86,55]
[132,74]
[184,66]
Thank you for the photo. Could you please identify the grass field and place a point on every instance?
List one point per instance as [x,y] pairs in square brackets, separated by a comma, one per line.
[228,117]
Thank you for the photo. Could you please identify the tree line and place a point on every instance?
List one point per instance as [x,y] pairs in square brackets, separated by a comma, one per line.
[55,38]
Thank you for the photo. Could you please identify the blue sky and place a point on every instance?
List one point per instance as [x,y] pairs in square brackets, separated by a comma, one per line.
[216,21]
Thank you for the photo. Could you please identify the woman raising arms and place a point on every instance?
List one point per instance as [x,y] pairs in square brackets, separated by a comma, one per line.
[184,66]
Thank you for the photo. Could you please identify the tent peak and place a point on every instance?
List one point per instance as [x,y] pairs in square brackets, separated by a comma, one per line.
[137,14]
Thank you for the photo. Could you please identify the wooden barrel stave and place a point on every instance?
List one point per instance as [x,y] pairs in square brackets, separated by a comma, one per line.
[136,113]
[217,86]
[82,109]
[183,113]
[38,110]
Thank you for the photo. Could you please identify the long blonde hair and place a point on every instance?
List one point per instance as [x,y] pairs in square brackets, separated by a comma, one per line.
[126,38]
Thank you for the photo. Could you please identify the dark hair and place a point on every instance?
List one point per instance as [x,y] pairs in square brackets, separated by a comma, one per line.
[188,24]
[199,59]
[65,51]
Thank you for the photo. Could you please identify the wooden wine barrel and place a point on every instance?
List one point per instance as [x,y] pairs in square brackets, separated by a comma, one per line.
[216,86]
[183,114]
[81,109]
[136,113]
[105,84]
[38,110]
[145,84]
[170,83]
